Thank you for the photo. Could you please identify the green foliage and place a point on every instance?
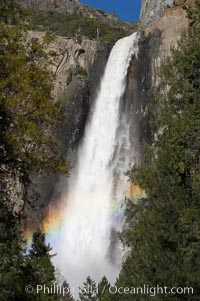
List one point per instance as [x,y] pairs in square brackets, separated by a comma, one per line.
[67,295]
[193,14]
[39,249]
[11,255]
[39,268]
[19,268]
[74,25]
[48,38]
[89,290]
[11,13]
[29,121]
[81,71]
[163,232]
[103,290]
[29,118]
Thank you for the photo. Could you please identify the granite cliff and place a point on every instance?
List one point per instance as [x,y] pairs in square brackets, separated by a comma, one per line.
[162,24]
[78,67]
[152,10]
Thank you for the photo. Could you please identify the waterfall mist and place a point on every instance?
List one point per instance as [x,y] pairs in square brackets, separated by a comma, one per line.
[87,243]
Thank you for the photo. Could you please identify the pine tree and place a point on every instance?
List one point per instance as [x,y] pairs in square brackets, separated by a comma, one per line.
[89,290]
[163,229]
[29,120]
[39,268]
[103,289]
[65,288]
[40,258]
[67,296]
[12,249]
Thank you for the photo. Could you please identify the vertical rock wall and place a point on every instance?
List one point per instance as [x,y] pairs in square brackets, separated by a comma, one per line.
[78,67]
[163,24]
[153,9]
[79,89]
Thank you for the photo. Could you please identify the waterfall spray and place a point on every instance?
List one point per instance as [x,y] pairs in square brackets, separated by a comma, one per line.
[87,243]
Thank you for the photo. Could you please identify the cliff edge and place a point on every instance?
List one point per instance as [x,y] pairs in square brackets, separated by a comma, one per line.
[152,10]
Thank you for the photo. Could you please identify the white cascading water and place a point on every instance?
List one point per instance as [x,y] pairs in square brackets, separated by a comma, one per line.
[88,243]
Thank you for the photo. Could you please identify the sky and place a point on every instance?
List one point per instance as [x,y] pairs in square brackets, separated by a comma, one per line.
[127,10]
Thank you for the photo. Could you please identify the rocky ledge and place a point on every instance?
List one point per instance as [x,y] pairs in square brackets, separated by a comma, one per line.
[75,7]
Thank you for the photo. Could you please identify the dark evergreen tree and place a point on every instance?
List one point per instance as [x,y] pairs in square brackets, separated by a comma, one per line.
[103,289]
[163,230]
[40,270]
[12,248]
[40,259]
[89,290]
[29,120]
[67,294]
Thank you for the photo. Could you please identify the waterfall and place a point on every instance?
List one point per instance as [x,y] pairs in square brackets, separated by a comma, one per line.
[88,243]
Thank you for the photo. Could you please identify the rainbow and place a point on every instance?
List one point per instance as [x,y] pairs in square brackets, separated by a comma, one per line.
[54,218]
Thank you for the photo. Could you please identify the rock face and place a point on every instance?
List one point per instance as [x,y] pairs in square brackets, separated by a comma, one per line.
[163,28]
[179,2]
[78,67]
[69,6]
[74,6]
[169,28]
[11,187]
[153,9]
[79,88]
